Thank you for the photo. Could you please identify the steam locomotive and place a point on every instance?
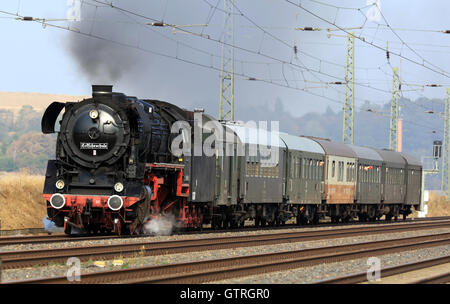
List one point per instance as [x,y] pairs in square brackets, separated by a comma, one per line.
[118,167]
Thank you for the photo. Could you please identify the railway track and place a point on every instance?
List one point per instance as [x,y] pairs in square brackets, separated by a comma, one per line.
[36,239]
[17,259]
[390,271]
[220,269]
[439,279]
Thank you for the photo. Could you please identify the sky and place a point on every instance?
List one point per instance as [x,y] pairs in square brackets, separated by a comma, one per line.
[138,59]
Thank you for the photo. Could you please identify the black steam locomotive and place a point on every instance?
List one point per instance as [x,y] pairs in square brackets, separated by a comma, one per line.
[115,171]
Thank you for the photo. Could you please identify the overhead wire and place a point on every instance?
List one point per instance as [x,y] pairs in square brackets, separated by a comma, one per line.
[432,68]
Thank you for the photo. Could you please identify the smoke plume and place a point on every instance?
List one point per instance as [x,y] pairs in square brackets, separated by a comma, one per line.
[103,60]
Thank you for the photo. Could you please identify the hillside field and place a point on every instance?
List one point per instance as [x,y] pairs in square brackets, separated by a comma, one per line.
[16,100]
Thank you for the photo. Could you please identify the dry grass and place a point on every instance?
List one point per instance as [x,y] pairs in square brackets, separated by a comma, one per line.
[21,202]
[438,205]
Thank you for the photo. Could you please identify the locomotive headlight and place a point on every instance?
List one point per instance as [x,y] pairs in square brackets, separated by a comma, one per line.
[118,187]
[57,201]
[93,114]
[115,202]
[60,184]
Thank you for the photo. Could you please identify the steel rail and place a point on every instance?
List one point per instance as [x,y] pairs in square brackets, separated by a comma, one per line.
[14,259]
[438,279]
[28,258]
[57,238]
[220,269]
[389,271]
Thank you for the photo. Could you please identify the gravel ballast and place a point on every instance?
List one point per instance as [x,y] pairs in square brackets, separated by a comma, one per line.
[140,261]
[159,238]
[324,272]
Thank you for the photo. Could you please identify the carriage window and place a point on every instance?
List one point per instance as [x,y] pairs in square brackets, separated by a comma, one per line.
[346,171]
[311,170]
[291,169]
[352,172]
[294,167]
[340,171]
[327,169]
[349,172]
[317,170]
[305,168]
[333,168]
[321,169]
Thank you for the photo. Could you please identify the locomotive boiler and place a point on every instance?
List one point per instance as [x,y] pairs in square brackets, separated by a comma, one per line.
[112,160]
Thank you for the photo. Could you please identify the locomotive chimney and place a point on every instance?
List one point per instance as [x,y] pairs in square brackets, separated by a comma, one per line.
[102,90]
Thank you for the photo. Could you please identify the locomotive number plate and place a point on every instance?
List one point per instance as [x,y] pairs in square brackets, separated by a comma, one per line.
[94,146]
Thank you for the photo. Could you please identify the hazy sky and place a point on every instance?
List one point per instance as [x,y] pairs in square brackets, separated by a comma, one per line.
[49,60]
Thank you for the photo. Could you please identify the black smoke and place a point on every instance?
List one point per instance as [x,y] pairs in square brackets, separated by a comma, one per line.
[101,52]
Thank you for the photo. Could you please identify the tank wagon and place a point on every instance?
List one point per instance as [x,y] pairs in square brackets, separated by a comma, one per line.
[115,170]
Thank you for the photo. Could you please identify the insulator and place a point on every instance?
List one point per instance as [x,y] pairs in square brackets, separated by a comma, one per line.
[27,18]
[295,50]
[308,28]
